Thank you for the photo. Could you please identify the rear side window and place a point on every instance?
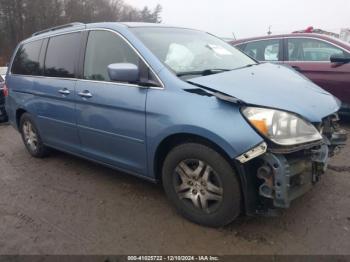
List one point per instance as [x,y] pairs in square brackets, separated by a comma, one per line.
[307,49]
[265,50]
[105,48]
[26,61]
[62,55]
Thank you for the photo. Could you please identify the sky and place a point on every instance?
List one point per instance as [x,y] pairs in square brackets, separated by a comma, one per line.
[252,17]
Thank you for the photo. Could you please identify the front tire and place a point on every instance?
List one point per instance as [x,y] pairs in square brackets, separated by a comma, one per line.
[202,185]
[31,137]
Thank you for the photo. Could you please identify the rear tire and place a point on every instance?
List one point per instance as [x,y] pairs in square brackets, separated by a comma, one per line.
[202,185]
[31,137]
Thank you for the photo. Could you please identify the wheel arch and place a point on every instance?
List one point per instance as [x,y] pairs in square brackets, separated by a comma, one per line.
[19,113]
[169,142]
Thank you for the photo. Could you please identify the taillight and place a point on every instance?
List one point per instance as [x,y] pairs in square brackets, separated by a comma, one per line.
[5,90]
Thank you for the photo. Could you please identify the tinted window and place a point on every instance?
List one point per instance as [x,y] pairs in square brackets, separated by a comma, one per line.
[303,49]
[62,55]
[265,50]
[26,61]
[105,48]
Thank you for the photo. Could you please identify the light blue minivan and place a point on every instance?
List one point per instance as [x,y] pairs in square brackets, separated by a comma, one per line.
[222,132]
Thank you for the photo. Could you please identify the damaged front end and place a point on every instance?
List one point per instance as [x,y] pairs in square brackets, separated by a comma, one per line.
[280,174]
[292,157]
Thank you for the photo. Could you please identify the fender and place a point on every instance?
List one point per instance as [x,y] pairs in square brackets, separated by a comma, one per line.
[170,113]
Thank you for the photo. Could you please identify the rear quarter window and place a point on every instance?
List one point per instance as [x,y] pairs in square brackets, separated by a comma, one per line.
[62,55]
[26,61]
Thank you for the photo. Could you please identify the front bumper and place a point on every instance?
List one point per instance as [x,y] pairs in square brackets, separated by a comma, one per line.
[284,174]
[287,177]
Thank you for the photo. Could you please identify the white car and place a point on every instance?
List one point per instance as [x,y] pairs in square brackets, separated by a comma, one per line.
[3,71]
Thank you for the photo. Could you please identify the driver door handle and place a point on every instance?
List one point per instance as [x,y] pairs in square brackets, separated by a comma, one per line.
[64,91]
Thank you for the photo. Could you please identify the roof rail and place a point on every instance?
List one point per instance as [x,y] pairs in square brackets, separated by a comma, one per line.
[57,28]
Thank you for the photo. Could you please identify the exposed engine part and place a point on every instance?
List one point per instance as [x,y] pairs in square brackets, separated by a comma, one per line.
[266,189]
[287,178]
[321,154]
[334,136]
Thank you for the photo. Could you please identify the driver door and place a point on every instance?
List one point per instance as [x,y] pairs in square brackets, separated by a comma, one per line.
[311,57]
[111,115]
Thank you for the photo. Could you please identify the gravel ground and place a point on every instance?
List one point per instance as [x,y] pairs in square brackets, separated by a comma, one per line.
[66,205]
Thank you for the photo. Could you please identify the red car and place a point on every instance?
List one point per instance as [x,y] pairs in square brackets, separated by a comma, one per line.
[324,60]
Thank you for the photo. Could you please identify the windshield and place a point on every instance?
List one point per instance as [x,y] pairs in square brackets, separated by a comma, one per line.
[188,51]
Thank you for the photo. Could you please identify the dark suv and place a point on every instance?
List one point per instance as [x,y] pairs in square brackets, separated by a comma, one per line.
[323,59]
[3,115]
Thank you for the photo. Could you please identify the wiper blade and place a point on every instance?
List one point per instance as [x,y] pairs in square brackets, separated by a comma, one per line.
[248,65]
[211,71]
[203,72]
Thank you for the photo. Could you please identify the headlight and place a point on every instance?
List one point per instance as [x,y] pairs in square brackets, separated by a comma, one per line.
[281,127]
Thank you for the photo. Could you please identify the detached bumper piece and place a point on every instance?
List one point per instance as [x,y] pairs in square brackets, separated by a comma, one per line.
[252,153]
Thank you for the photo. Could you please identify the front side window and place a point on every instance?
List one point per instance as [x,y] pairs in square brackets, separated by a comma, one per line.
[265,50]
[26,61]
[303,49]
[103,49]
[62,55]
[185,50]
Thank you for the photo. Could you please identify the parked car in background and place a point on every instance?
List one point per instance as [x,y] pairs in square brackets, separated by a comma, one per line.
[323,59]
[222,132]
[3,71]
[3,115]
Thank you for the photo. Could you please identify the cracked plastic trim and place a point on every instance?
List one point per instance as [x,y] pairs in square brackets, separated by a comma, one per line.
[253,153]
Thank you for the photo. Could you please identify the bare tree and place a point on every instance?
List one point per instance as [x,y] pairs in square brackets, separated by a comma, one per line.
[20,18]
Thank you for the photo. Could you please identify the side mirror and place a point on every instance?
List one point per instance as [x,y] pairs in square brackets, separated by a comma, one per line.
[124,72]
[339,58]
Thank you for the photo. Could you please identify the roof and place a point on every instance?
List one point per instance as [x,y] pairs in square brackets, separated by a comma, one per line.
[80,26]
[139,24]
[311,35]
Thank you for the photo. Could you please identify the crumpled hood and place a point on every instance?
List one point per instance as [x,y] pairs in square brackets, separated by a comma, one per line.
[274,86]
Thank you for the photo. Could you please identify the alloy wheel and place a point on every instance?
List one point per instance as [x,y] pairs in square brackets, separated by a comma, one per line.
[197,184]
[30,136]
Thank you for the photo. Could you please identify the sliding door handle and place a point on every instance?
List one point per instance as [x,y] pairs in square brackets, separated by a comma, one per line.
[85,94]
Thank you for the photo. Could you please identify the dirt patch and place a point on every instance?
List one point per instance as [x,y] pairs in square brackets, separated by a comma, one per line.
[66,205]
